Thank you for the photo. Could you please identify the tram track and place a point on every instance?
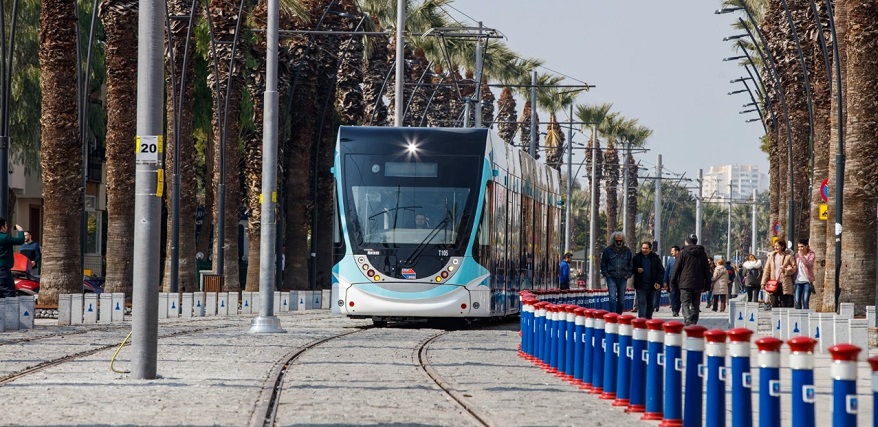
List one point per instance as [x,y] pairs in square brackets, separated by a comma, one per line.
[8,378]
[423,357]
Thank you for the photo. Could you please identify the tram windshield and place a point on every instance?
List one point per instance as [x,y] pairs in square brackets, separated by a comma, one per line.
[405,203]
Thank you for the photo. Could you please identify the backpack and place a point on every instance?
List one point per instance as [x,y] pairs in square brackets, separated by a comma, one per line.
[753,275]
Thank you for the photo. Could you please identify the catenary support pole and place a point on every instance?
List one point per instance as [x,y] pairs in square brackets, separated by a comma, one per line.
[567,247]
[698,210]
[593,280]
[533,114]
[400,63]
[266,321]
[753,226]
[658,207]
[147,199]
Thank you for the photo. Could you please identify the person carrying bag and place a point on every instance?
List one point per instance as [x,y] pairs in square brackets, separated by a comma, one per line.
[777,278]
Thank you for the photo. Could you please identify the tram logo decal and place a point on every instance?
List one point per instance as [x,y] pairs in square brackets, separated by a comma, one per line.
[409,273]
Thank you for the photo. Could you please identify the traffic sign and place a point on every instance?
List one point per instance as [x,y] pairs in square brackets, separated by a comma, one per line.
[823,212]
[824,190]
[775,228]
[773,240]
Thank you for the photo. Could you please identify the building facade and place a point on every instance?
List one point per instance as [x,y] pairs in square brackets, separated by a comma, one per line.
[733,181]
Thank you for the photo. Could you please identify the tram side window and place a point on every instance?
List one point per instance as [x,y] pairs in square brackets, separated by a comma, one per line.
[482,246]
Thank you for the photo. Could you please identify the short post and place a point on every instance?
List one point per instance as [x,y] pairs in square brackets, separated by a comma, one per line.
[873,362]
[769,381]
[694,375]
[540,333]
[523,329]
[570,342]
[715,351]
[578,344]
[587,349]
[673,392]
[742,395]
[611,355]
[637,395]
[802,365]
[844,384]
[552,338]
[623,373]
[597,360]
[655,361]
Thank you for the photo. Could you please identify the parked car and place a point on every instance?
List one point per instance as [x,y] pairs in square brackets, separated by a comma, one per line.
[29,284]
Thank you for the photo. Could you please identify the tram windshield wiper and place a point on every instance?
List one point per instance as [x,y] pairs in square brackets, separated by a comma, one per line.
[423,245]
[387,211]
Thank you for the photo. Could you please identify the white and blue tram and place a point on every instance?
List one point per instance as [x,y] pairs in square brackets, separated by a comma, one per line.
[440,222]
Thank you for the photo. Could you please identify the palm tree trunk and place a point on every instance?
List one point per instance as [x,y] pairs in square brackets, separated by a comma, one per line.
[62,172]
[861,137]
[611,168]
[118,17]
[506,115]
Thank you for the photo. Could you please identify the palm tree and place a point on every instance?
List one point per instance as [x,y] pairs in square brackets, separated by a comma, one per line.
[350,70]
[506,115]
[553,101]
[376,69]
[225,82]
[180,117]
[118,17]
[62,194]
[636,136]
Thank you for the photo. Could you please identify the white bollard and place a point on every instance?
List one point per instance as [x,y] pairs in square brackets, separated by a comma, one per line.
[118,306]
[846,309]
[63,309]
[277,301]
[173,305]
[89,308]
[186,305]
[11,308]
[284,301]
[309,300]
[797,325]
[841,330]
[26,312]
[826,332]
[776,324]
[870,316]
[198,304]
[163,305]
[210,299]
[858,333]
[247,302]
[254,302]
[736,314]
[294,300]
[751,316]
[105,308]
[327,296]
[301,301]
[76,309]
[317,298]
[222,304]
[233,303]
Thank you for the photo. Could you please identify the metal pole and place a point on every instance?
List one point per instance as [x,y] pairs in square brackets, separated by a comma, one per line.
[839,157]
[592,218]
[753,226]
[698,211]
[625,194]
[658,206]
[729,228]
[147,203]
[567,246]
[400,63]
[477,113]
[266,321]
[533,115]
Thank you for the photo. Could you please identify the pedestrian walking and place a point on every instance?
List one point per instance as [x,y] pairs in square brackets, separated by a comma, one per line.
[564,276]
[7,259]
[616,267]
[674,291]
[648,275]
[711,265]
[692,276]
[780,267]
[720,285]
[752,277]
[803,285]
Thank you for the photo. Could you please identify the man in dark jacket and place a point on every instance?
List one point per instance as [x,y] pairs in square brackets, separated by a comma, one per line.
[674,291]
[648,274]
[692,276]
[616,267]
[7,258]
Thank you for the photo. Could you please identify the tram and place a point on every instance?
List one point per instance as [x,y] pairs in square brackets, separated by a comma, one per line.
[440,223]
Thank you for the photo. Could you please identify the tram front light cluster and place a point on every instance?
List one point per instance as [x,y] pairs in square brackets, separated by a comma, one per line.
[444,274]
[438,278]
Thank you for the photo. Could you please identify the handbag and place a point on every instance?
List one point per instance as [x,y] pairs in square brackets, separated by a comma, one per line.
[771,286]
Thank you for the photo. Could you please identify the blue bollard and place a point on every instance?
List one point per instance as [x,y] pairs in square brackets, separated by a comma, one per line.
[803,395]
[654,364]
[873,362]
[694,375]
[742,395]
[715,350]
[844,384]
[560,339]
[626,352]
[552,343]
[578,340]
[597,360]
[540,311]
[587,349]
[672,414]
[527,327]
[611,355]
[570,342]
[637,391]
[769,381]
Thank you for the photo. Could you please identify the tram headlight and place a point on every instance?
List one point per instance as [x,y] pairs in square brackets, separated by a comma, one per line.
[438,279]
[376,277]
[444,274]
[450,268]
[370,273]
[361,260]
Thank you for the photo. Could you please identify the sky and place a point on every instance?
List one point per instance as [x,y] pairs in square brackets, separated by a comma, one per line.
[660,62]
